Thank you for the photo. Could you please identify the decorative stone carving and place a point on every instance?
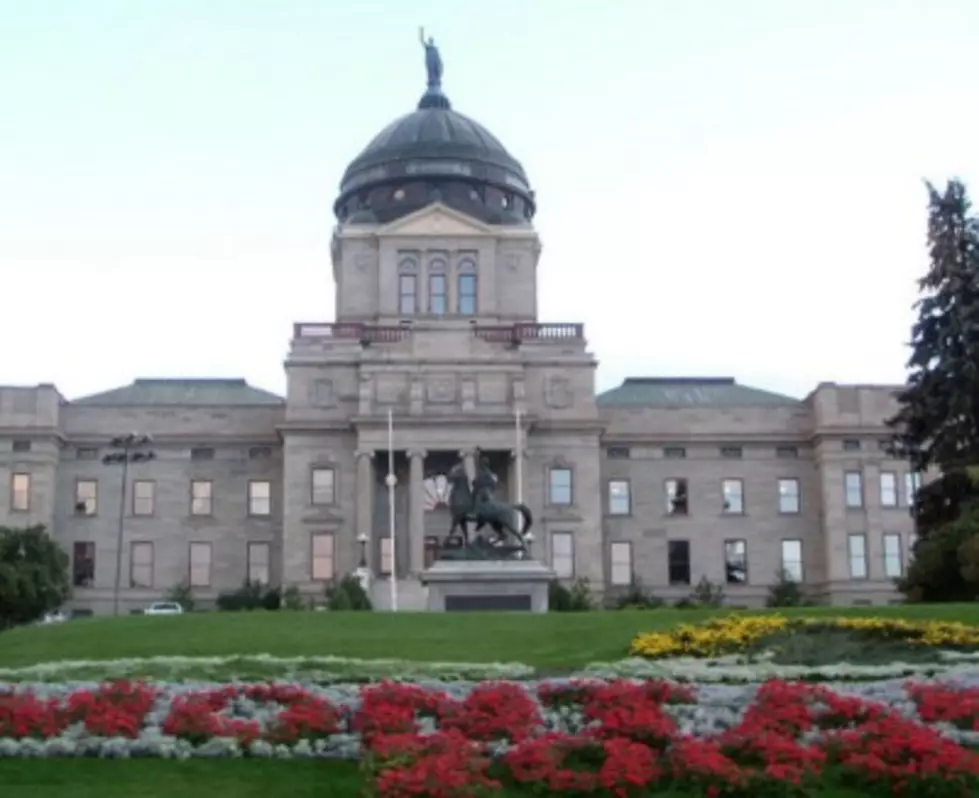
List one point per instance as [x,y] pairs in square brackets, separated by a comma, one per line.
[469,394]
[519,390]
[492,389]
[416,396]
[513,261]
[323,393]
[391,388]
[558,393]
[442,389]
[363,261]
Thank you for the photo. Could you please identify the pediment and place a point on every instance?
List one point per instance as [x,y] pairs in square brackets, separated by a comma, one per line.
[436,220]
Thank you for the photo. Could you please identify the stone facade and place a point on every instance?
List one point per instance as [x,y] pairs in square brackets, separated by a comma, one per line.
[663,480]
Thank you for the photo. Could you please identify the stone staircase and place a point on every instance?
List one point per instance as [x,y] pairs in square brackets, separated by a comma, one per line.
[412,595]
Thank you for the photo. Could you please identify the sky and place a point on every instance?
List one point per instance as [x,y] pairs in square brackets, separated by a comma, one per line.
[724,188]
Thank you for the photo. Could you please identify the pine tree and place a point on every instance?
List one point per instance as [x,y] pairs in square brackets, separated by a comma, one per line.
[938,420]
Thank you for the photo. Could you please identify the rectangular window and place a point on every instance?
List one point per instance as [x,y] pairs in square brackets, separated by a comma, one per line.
[562,554]
[259,555]
[559,487]
[893,556]
[323,556]
[22,445]
[201,493]
[86,497]
[787,452]
[200,564]
[387,558]
[620,557]
[144,497]
[259,452]
[788,496]
[732,491]
[323,486]
[83,564]
[678,560]
[736,561]
[851,445]
[912,482]
[141,565]
[86,453]
[407,294]
[792,560]
[436,294]
[853,482]
[618,453]
[676,497]
[467,294]
[20,493]
[732,452]
[259,497]
[888,489]
[674,453]
[619,502]
[200,453]
[857,549]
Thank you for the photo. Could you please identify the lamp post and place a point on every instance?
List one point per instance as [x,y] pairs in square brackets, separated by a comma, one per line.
[362,572]
[131,448]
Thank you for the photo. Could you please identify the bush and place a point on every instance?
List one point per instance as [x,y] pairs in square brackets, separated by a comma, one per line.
[292,599]
[944,567]
[250,596]
[576,599]
[707,594]
[786,592]
[348,595]
[182,595]
[635,598]
[33,575]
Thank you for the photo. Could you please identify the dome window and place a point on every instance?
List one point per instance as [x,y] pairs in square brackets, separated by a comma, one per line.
[399,194]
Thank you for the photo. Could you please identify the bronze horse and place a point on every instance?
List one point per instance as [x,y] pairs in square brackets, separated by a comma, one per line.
[498,515]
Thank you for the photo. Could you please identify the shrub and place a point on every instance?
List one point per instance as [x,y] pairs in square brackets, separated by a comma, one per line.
[250,596]
[786,592]
[348,595]
[707,594]
[183,595]
[292,599]
[635,598]
[577,598]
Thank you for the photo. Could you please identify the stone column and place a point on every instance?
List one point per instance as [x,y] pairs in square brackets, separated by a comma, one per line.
[365,503]
[416,509]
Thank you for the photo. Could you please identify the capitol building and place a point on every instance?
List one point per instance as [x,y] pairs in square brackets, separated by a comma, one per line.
[663,480]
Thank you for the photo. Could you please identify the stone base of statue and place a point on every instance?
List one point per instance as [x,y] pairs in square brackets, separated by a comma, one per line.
[506,585]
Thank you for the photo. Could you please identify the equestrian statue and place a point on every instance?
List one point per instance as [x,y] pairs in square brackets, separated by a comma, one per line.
[477,504]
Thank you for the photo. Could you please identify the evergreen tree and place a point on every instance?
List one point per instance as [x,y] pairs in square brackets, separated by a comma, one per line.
[33,575]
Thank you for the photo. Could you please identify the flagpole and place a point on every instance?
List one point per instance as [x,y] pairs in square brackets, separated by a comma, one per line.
[518,449]
[392,480]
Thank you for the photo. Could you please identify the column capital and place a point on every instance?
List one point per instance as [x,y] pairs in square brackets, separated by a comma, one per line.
[362,453]
[525,452]
[417,454]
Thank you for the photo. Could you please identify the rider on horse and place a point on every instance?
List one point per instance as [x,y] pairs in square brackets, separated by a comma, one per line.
[484,486]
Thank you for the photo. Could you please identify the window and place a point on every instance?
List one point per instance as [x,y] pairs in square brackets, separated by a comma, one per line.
[201,493]
[787,452]
[618,497]
[851,445]
[674,453]
[144,497]
[20,493]
[86,497]
[618,453]
[620,557]
[86,453]
[201,453]
[732,491]
[323,556]
[258,563]
[387,558]
[141,565]
[678,560]
[732,452]
[467,294]
[562,554]
[792,560]
[912,482]
[407,294]
[436,294]
[559,486]
[736,561]
[857,548]
[893,557]
[323,486]
[886,445]
[22,445]
[853,483]
[259,452]
[83,564]
[788,496]
[200,564]
[888,489]
[259,497]
[676,497]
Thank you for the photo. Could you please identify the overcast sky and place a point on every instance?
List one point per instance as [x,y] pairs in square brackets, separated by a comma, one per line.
[725,188]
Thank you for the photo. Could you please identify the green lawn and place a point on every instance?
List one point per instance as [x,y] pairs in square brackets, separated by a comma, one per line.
[554,640]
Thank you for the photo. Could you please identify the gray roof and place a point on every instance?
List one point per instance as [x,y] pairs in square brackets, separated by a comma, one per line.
[182,392]
[690,392]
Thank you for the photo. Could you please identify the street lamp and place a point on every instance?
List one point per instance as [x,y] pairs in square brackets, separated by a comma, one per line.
[362,572]
[131,448]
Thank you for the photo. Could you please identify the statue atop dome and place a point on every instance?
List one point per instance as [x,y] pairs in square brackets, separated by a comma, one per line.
[433,60]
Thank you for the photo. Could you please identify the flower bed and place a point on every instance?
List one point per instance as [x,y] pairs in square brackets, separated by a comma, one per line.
[619,736]
[747,633]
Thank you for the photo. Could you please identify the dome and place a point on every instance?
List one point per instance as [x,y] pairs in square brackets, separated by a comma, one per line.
[435,154]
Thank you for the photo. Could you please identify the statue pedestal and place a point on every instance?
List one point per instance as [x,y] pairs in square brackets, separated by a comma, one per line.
[487,585]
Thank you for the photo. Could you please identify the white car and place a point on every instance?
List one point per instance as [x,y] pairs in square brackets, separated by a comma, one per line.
[54,617]
[164,608]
